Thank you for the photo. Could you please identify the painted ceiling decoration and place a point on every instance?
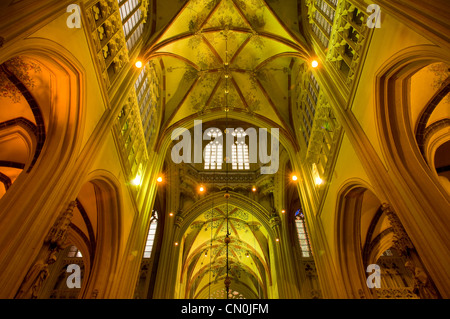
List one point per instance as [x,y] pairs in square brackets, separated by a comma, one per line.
[221,59]
[205,251]
[260,50]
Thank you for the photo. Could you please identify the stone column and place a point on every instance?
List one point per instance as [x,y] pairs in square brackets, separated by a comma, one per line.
[53,243]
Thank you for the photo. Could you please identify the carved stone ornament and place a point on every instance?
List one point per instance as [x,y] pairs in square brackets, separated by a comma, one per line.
[401,240]
[57,235]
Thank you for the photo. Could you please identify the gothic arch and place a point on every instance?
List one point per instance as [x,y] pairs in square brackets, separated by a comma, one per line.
[349,234]
[424,197]
[260,215]
[63,119]
[108,239]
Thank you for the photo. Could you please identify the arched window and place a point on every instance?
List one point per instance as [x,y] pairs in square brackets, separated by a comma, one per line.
[239,151]
[214,151]
[132,20]
[74,252]
[302,233]
[151,235]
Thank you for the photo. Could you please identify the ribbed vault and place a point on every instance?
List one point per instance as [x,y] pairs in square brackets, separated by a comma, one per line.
[214,48]
[204,258]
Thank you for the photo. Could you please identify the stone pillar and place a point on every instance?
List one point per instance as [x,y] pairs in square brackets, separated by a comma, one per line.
[53,243]
[423,283]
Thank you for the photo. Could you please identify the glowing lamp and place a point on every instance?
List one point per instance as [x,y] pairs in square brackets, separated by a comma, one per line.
[136,181]
[138,64]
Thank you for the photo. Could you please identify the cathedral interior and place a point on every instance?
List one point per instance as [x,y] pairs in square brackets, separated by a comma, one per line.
[224,149]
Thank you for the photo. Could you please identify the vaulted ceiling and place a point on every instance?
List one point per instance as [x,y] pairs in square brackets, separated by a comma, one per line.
[230,57]
[204,259]
[234,53]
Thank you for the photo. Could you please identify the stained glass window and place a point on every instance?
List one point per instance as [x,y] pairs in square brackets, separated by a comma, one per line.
[151,235]
[302,234]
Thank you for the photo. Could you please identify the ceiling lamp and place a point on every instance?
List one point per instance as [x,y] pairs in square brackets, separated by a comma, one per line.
[139,64]
[294,178]
[137,180]
[159,179]
[314,64]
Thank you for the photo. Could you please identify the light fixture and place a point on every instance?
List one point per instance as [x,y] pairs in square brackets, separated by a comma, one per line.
[254,189]
[277,240]
[314,64]
[318,181]
[137,180]
[283,211]
[159,179]
[294,178]
[201,189]
[316,176]
[170,214]
[176,243]
[138,64]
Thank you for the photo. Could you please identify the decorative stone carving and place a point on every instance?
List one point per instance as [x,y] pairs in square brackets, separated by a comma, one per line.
[179,219]
[423,287]
[401,239]
[58,233]
[274,220]
[53,243]
[35,278]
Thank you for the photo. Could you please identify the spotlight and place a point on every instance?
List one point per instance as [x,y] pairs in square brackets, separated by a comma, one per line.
[201,189]
[254,189]
[314,64]
[176,243]
[159,179]
[138,64]
[277,240]
[294,178]
[283,211]
[170,214]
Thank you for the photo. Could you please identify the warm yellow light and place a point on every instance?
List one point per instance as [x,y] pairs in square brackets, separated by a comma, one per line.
[283,211]
[176,243]
[314,64]
[294,178]
[170,214]
[277,240]
[159,179]
[137,180]
[201,189]
[138,64]
[318,181]
[254,189]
